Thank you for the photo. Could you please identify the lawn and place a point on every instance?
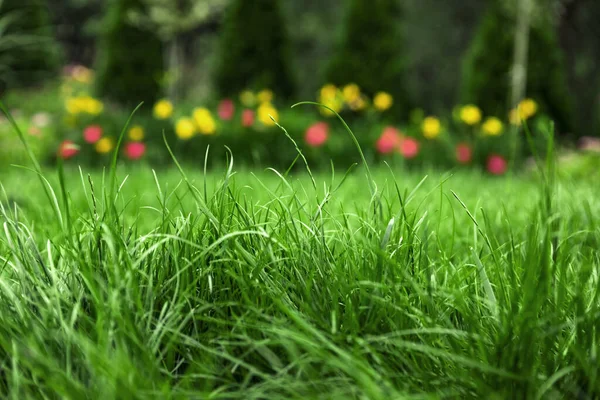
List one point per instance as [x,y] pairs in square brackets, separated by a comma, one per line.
[252,285]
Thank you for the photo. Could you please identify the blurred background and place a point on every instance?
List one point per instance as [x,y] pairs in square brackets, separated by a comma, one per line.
[429,56]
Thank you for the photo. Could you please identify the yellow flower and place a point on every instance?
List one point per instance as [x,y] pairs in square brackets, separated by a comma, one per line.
[492,126]
[351,92]
[265,112]
[335,104]
[204,121]
[514,117]
[83,104]
[383,101]
[163,109]
[359,104]
[328,92]
[527,108]
[104,145]
[265,96]
[470,114]
[185,128]
[431,127]
[92,106]
[82,74]
[247,98]
[72,106]
[331,97]
[136,133]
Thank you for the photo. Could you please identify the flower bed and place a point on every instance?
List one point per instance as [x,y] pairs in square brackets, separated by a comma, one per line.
[248,127]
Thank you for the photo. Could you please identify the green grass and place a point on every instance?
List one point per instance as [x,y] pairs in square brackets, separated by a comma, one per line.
[272,286]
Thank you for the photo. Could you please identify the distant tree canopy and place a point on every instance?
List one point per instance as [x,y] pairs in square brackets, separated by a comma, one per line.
[254,51]
[489,62]
[78,38]
[371,52]
[29,53]
[170,18]
[130,60]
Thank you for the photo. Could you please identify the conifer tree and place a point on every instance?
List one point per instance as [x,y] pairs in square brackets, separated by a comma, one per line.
[254,51]
[130,63]
[371,52]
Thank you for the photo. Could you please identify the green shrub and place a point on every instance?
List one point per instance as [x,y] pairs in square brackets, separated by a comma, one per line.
[371,53]
[254,50]
[130,61]
[29,53]
[487,68]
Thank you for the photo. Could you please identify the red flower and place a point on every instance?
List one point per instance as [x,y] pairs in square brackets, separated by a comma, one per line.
[317,134]
[409,147]
[92,133]
[463,153]
[247,118]
[135,150]
[226,109]
[67,149]
[389,140]
[496,164]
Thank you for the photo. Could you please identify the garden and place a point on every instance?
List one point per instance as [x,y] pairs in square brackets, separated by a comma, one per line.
[275,199]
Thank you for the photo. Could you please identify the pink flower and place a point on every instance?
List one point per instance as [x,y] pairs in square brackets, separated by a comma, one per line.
[389,140]
[409,147]
[247,118]
[463,153]
[496,164]
[226,109]
[317,134]
[67,149]
[135,150]
[92,133]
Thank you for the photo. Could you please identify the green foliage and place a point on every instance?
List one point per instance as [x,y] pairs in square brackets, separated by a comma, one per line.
[254,50]
[489,62]
[29,54]
[371,52]
[130,61]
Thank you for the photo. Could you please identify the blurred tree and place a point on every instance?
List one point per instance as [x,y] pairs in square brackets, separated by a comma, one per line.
[254,50]
[170,19]
[436,35]
[76,23]
[29,52]
[489,64]
[311,39]
[130,60]
[371,52]
[580,39]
